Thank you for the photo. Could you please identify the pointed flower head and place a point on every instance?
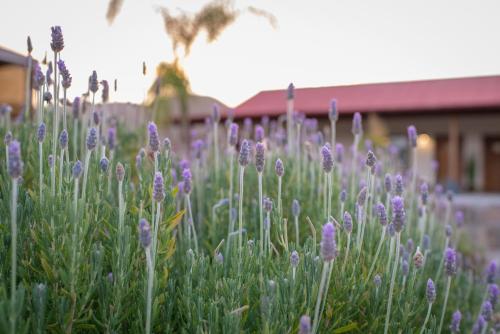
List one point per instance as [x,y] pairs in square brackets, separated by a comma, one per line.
[305,325]
[418,259]
[448,230]
[144,233]
[328,245]
[491,272]
[93,82]
[233,134]
[279,168]
[362,196]
[371,160]
[493,293]
[158,188]
[424,193]
[267,203]
[295,208]
[357,128]
[244,157]
[487,310]
[388,183]
[38,77]
[63,139]
[104,164]
[399,185]
[426,242]
[327,158]
[15,163]
[95,117]
[57,43]
[187,179]
[215,113]
[40,133]
[154,141]
[77,169]
[479,325]
[259,133]
[294,259]
[290,93]
[343,196]
[167,144]
[455,322]
[112,138]
[459,218]
[412,136]
[382,214]
[333,113]
[259,157]
[430,292]
[339,152]
[8,138]
[405,268]
[377,281]
[50,159]
[92,139]
[398,213]
[120,172]
[347,222]
[105,91]
[76,107]
[29,44]
[66,76]
[450,262]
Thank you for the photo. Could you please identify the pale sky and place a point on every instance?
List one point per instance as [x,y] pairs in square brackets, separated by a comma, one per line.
[317,43]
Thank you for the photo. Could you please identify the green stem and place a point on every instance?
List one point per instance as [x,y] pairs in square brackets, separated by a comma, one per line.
[426,318]
[40,171]
[322,283]
[149,300]
[445,303]
[240,211]
[381,242]
[13,276]
[261,216]
[393,279]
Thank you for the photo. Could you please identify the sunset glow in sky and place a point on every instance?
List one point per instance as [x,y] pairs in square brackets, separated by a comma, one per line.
[317,43]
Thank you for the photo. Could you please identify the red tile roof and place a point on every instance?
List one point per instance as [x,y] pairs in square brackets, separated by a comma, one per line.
[412,96]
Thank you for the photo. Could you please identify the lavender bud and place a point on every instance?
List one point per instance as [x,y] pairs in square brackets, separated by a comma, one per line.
[377,281]
[15,163]
[370,159]
[328,246]
[57,43]
[424,191]
[279,168]
[388,183]
[29,44]
[105,91]
[63,139]
[93,82]
[49,73]
[362,197]
[77,169]
[390,230]
[120,172]
[144,233]
[76,107]
[66,76]
[91,139]
[493,293]
[343,196]
[459,218]
[38,77]
[290,91]
[111,138]
[154,141]
[450,262]
[267,204]
[487,310]
[398,213]
[233,134]
[294,259]
[327,159]
[219,258]
[382,214]
[491,272]
[41,132]
[295,208]
[455,322]
[47,97]
[479,325]
[167,145]
[412,136]
[448,230]
[305,325]
[244,157]
[418,259]
[259,157]
[405,268]
[259,133]
[357,128]
[410,245]
[426,242]
[187,179]
[333,113]
[158,188]
[347,222]
[430,292]
[104,164]
[138,161]
[339,152]
[399,185]
[95,117]
[142,153]
[215,113]
[50,158]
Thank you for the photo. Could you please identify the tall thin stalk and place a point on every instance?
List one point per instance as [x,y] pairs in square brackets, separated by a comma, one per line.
[240,211]
[13,272]
[393,279]
[261,216]
[426,318]
[445,303]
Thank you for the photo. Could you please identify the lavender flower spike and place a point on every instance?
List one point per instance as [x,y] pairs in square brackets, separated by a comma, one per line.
[370,159]
[479,325]
[388,183]
[66,76]
[120,172]
[455,322]
[450,262]
[382,214]
[491,272]
[259,133]
[111,138]
[233,134]
[279,168]
[267,203]
[91,139]
[399,185]
[347,222]
[76,107]
[487,310]
[294,259]
[57,43]
[430,292]
[295,208]
[63,139]
[154,141]
[327,159]
[93,82]
[8,138]
[339,152]
[158,188]
[144,233]
[290,91]
[333,113]
[412,136]
[357,128]
[305,325]
[377,281]
[244,158]
[493,293]
[362,196]
[104,164]
[187,178]
[41,132]
[77,169]
[259,157]
[15,163]
[398,213]
[328,245]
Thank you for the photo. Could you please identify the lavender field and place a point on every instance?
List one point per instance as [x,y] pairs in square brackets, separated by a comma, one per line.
[262,227]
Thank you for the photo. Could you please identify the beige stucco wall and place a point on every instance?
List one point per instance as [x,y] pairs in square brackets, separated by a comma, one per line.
[12,84]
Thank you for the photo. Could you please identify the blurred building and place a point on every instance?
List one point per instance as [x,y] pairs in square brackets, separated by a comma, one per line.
[13,67]
[458,121]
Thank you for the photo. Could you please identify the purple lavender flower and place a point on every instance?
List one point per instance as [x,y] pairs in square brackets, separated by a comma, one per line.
[219,258]
[362,197]
[215,113]
[38,77]
[343,196]
[49,73]
[138,161]
[104,164]
[290,91]
[382,214]
[77,169]
[233,134]
[339,152]
[327,159]
[76,107]
[267,203]
[455,322]
[167,144]
[399,185]
[183,164]
[347,222]
[63,139]
[448,230]
[491,272]
[487,310]
[377,281]
[47,97]
[244,158]
[66,76]
[430,292]
[412,136]
[370,159]
[305,325]
[294,259]
[50,159]
[405,268]
[158,188]
[95,117]
[15,163]
[390,230]
[328,246]
[459,218]
[398,213]
[493,293]
[418,259]
[295,208]
[57,43]
[105,91]
[410,245]
[144,233]
[111,138]
[41,132]
[357,128]
[479,325]
[424,192]
[259,133]
[259,157]
[29,45]
[450,262]
[93,82]
[91,139]
[198,148]
[154,141]
[279,168]
[426,242]
[388,183]
[120,172]
[333,113]
[187,179]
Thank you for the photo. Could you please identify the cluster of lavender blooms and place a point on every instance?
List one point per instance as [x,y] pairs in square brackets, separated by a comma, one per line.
[286,231]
